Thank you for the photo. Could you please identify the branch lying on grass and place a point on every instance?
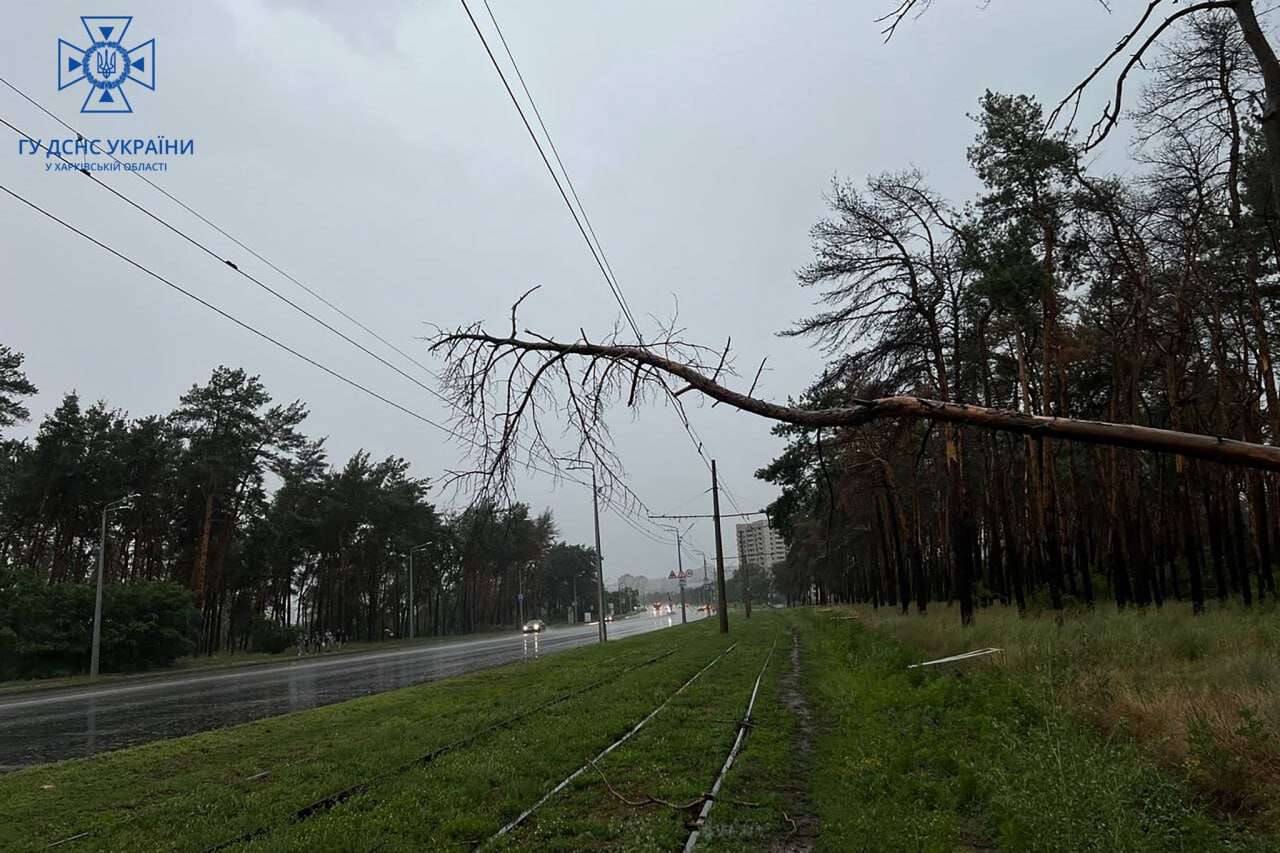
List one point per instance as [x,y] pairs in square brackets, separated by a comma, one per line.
[648,800]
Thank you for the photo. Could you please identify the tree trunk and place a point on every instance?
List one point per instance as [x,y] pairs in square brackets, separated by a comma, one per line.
[202,553]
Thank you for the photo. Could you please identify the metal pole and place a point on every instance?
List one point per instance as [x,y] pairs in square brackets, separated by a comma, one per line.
[715,507]
[595,505]
[97,601]
[413,597]
[680,568]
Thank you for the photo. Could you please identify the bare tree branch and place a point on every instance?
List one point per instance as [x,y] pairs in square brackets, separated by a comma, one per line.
[1111,113]
[469,351]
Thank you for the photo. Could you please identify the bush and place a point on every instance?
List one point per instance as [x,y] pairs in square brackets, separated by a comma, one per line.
[47,629]
[268,636]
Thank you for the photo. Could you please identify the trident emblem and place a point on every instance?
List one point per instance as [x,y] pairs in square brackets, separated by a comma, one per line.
[106,64]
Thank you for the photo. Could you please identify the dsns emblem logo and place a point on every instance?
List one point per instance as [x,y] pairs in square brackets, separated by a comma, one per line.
[106,65]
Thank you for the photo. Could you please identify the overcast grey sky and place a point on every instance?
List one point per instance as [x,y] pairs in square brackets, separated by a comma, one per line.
[369,149]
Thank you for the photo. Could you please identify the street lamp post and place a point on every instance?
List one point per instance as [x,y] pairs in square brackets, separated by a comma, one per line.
[413,601]
[679,573]
[123,503]
[705,597]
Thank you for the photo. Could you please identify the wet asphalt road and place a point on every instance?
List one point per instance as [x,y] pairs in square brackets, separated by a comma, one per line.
[49,726]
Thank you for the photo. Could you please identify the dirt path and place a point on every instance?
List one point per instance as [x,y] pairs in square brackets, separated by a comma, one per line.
[799,810]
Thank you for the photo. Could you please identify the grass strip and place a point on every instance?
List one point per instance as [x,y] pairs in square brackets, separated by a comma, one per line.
[346,793]
[744,725]
[194,791]
[591,762]
[764,799]
[466,796]
[643,795]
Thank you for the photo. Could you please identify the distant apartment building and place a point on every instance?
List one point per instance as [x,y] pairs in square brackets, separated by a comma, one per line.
[639,583]
[760,545]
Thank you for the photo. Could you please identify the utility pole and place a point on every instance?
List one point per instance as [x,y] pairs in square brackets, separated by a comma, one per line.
[715,508]
[595,506]
[123,503]
[680,569]
[413,599]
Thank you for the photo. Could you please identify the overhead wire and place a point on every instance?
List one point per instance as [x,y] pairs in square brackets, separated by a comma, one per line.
[279,296]
[596,248]
[198,215]
[602,260]
[268,337]
[256,281]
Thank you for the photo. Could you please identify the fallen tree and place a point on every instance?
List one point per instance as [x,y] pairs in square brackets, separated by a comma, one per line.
[512,380]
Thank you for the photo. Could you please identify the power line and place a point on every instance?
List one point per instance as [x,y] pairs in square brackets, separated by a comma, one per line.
[550,170]
[256,281]
[270,339]
[141,176]
[722,515]
[601,259]
[217,257]
[556,153]
[241,323]
[280,296]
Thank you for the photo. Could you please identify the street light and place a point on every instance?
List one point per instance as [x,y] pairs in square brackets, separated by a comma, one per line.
[680,566]
[123,503]
[413,601]
[520,588]
[595,506]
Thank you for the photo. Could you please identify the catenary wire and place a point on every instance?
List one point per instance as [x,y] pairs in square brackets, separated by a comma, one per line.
[234,267]
[596,249]
[277,342]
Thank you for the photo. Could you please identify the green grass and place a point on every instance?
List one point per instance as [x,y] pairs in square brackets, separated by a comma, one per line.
[196,790]
[1201,694]
[674,759]
[885,759]
[921,760]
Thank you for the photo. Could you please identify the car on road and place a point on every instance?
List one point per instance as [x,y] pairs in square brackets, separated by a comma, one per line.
[534,626]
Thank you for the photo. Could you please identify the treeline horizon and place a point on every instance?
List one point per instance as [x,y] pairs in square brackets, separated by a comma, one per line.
[1150,297]
[237,505]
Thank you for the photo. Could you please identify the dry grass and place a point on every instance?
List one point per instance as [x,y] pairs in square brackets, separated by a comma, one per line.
[1202,694]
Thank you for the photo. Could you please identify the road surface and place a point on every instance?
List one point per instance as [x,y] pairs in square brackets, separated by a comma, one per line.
[70,723]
